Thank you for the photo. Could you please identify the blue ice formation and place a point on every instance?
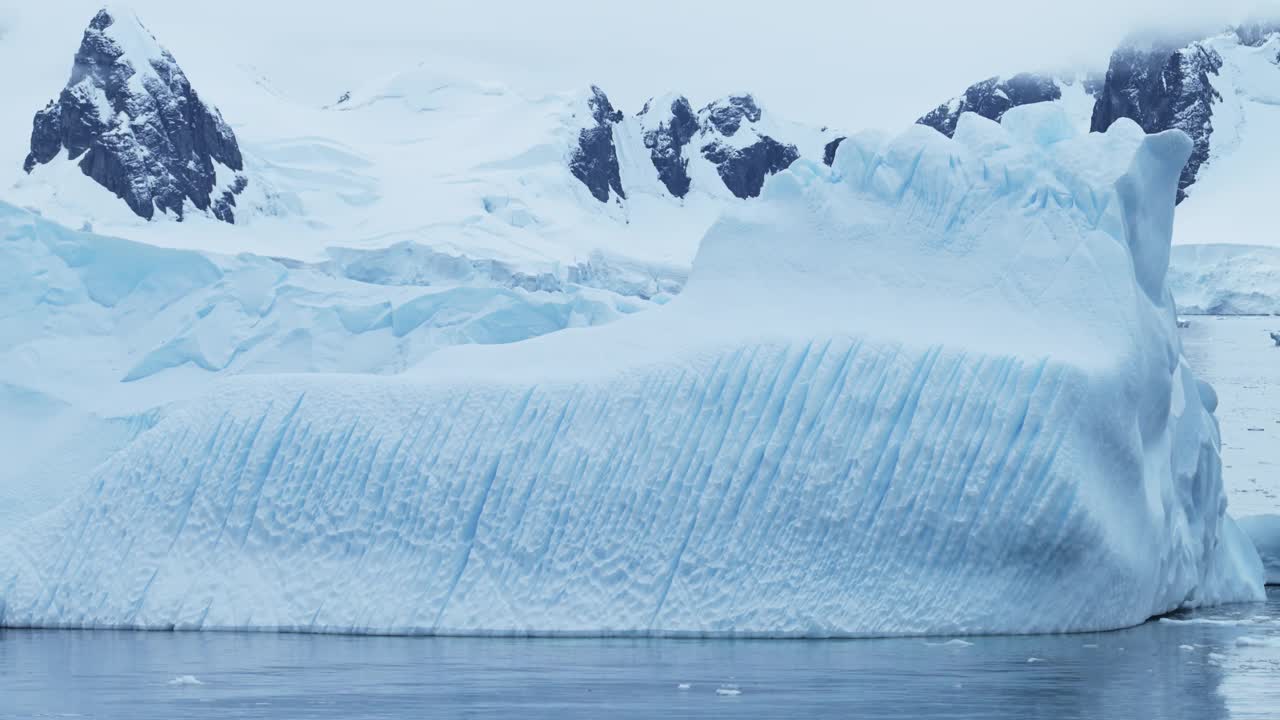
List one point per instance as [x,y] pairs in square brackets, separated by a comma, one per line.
[935,388]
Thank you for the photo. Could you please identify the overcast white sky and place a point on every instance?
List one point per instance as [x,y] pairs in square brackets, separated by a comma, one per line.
[848,64]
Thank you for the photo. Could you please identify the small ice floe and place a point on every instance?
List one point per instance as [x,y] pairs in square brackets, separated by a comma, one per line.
[1036,660]
[1091,646]
[1208,621]
[684,686]
[185,680]
[1187,647]
[1262,642]
[1183,323]
[728,691]
[951,644]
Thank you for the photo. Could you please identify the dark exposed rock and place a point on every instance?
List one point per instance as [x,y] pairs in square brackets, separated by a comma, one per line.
[726,116]
[1160,89]
[991,99]
[46,136]
[725,131]
[142,130]
[829,151]
[742,167]
[666,146]
[595,160]
[745,169]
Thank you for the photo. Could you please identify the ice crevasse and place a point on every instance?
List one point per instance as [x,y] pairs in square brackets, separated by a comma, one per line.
[936,388]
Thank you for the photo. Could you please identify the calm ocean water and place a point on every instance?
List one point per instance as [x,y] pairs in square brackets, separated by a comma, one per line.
[1221,663]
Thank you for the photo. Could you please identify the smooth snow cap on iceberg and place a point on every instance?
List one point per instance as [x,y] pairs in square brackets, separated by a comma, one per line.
[935,389]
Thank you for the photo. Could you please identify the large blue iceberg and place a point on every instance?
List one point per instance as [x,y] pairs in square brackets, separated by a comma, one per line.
[936,388]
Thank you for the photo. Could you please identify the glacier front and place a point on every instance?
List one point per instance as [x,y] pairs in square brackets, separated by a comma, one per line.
[935,388]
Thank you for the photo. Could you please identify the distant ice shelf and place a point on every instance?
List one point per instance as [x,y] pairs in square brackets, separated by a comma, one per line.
[1264,531]
[936,388]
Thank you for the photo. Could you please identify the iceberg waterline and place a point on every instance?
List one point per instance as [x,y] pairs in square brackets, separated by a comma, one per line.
[936,388]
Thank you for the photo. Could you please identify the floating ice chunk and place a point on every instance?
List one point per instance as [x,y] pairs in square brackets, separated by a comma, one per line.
[1260,642]
[185,680]
[728,690]
[1032,660]
[684,686]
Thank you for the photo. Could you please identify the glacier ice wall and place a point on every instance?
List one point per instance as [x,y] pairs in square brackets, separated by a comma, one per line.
[99,334]
[1264,532]
[936,388]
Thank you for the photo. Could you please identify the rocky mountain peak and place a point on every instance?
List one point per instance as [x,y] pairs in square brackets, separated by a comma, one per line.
[1163,88]
[676,124]
[728,115]
[744,160]
[595,159]
[138,128]
[992,98]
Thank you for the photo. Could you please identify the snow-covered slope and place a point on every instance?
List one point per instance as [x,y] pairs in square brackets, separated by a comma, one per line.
[756,457]
[1229,203]
[427,155]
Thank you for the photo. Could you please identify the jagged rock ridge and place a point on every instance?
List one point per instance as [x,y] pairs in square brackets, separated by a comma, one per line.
[666,145]
[726,134]
[743,168]
[1161,89]
[140,130]
[992,98]
[595,160]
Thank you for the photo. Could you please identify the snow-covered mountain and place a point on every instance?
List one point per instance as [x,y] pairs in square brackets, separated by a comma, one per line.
[559,187]
[130,120]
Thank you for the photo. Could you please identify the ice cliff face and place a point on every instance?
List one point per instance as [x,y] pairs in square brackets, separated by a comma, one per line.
[138,128]
[750,459]
[1264,531]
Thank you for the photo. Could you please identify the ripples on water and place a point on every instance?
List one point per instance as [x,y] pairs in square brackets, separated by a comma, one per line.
[1220,663]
